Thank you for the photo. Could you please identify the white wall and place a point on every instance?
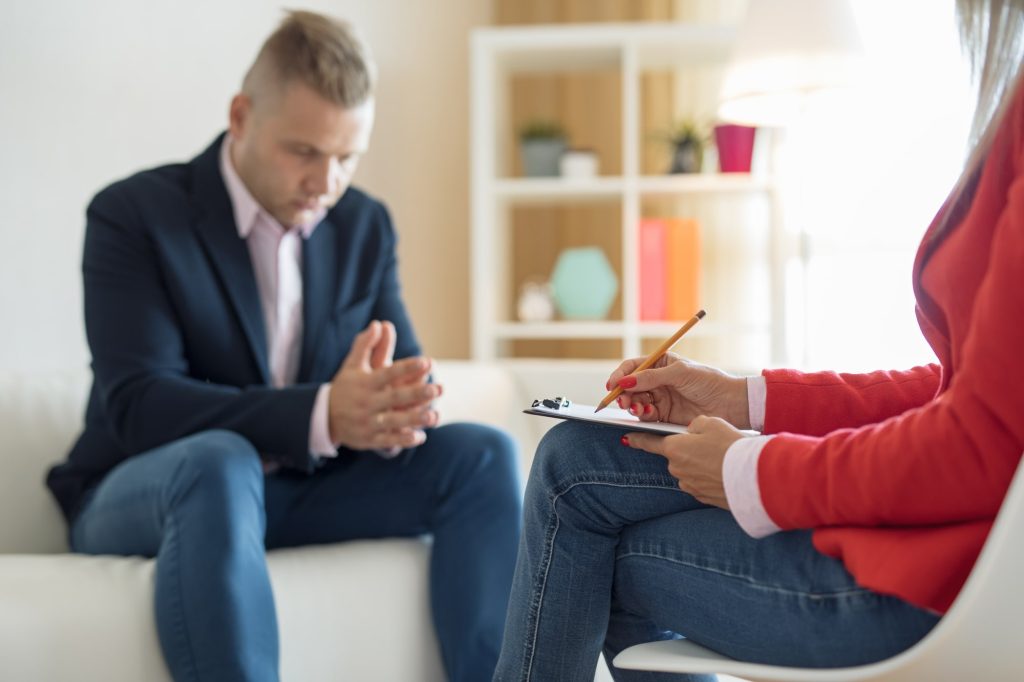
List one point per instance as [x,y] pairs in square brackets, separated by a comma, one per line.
[91,91]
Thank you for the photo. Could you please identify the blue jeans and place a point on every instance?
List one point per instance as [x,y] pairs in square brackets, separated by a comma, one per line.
[614,554]
[204,509]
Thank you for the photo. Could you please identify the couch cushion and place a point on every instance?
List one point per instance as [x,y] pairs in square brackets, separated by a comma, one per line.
[40,416]
[358,611]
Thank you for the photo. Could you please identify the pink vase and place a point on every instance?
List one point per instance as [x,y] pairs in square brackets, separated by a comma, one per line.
[735,147]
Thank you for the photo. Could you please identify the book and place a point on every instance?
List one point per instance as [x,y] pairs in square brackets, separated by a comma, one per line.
[653,285]
[682,268]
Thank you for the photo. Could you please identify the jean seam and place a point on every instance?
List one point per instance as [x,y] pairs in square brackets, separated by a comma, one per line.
[537,603]
[181,631]
[856,591]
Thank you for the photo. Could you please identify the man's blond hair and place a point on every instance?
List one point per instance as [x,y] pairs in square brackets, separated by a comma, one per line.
[322,53]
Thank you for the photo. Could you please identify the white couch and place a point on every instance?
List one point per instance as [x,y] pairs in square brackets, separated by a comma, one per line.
[353,611]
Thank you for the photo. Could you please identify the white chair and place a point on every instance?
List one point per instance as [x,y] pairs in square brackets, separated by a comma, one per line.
[980,638]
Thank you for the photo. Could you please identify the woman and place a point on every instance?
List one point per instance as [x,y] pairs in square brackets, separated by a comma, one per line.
[843,534]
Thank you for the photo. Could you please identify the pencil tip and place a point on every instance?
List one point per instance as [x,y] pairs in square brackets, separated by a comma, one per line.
[598,409]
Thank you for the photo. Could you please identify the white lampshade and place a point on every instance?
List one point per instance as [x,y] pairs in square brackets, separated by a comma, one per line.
[788,51]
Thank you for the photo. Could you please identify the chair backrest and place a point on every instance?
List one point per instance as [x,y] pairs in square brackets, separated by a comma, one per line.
[40,415]
[981,637]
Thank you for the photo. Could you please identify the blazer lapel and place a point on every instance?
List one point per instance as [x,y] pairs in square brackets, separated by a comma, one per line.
[228,253]
[319,289]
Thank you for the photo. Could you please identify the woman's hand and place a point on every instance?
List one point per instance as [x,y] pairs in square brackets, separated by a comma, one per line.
[694,458]
[678,390]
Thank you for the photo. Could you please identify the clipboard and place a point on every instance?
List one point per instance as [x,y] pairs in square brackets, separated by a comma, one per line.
[610,416]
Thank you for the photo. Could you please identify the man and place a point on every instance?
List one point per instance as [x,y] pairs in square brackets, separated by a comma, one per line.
[236,403]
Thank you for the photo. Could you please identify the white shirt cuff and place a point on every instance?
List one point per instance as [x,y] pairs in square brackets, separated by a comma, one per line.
[319,431]
[757,397]
[739,474]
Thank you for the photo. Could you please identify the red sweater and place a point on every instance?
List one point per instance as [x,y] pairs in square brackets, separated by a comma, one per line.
[901,473]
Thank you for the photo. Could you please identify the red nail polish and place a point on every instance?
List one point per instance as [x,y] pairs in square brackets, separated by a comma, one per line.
[627,382]
[648,409]
[624,440]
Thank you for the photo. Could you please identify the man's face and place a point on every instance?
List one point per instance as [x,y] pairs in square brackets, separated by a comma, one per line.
[296,151]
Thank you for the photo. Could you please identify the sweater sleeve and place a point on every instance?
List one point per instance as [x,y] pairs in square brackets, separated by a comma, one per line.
[816,403]
[947,461]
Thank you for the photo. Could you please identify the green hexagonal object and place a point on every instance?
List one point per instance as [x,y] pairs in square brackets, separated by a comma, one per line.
[583,284]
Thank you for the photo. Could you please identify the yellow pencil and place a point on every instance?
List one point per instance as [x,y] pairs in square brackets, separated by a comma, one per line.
[653,357]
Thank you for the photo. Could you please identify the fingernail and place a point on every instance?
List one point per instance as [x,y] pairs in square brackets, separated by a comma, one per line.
[636,409]
[624,440]
[608,385]
[648,409]
[627,382]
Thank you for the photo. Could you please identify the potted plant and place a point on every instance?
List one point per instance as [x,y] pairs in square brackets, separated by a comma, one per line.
[687,138]
[542,144]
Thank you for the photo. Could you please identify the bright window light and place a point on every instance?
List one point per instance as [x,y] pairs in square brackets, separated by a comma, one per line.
[863,176]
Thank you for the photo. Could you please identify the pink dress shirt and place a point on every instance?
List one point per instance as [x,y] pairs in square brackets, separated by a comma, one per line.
[276,253]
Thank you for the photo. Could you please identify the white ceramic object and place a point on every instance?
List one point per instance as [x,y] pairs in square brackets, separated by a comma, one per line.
[578,163]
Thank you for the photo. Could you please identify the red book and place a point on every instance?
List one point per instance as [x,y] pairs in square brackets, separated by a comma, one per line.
[653,284]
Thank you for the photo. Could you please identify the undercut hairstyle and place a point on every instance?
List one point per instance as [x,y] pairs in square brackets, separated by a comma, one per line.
[322,53]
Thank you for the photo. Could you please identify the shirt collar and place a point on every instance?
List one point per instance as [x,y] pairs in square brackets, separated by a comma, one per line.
[246,209]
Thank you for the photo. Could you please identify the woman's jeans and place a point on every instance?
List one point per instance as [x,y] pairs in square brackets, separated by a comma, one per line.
[203,507]
[614,554]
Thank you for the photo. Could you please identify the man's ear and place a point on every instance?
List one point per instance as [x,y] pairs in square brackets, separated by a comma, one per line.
[239,115]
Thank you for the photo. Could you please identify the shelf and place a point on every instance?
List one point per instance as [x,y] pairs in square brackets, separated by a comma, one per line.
[542,190]
[663,330]
[704,183]
[558,189]
[576,47]
[616,329]
[528,369]
[612,68]
[597,329]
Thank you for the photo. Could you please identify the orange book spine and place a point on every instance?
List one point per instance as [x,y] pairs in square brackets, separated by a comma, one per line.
[682,267]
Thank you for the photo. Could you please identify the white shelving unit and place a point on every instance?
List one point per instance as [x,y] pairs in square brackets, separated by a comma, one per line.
[498,54]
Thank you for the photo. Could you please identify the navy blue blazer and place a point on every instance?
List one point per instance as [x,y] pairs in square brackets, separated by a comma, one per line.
[176,330]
